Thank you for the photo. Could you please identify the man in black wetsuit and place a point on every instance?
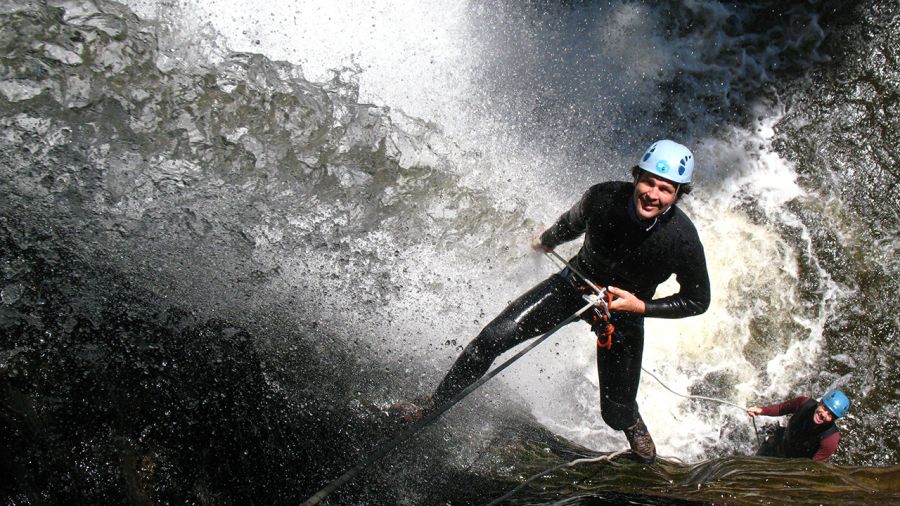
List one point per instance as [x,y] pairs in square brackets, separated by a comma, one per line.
[635,237]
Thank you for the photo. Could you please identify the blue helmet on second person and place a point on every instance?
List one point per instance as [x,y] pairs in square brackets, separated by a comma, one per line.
[669,160]
[836,402]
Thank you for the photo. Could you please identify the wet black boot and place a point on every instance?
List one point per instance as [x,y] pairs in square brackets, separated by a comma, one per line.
[642,447]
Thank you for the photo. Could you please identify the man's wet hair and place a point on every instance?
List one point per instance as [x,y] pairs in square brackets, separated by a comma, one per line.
[683,188]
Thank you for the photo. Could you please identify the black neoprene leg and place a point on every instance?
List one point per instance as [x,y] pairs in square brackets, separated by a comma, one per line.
[619,369]
[537,311]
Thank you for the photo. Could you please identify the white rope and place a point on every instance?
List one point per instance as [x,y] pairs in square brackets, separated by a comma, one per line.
[555,468]
[555,255]
[597,298]
[713,399]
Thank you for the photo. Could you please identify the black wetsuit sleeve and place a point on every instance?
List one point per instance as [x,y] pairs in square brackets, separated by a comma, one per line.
[693,279]
[570,225]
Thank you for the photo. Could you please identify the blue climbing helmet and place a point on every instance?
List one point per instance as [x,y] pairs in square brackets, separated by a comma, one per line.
[669,160]
[836,402]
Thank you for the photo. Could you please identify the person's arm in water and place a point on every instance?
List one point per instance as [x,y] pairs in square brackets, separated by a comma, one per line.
[779,409]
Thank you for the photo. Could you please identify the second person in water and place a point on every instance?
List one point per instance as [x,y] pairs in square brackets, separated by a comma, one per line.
[635,237]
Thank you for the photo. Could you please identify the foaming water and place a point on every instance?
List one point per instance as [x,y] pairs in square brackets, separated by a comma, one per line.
[528,98]
[231,248]
[526,103]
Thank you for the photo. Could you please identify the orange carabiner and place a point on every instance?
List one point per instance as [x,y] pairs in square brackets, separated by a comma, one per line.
[605,340]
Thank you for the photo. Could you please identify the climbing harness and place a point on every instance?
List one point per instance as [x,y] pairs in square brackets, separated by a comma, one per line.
[428,419]
[601,325]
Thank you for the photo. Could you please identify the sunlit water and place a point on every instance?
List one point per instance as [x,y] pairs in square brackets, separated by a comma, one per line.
[219,267]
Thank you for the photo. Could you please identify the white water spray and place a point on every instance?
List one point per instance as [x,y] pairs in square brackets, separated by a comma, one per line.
[520,123]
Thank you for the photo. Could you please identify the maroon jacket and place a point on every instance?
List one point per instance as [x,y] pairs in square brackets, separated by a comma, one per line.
[803,437]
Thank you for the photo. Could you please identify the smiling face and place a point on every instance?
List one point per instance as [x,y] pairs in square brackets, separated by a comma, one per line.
[822,415]
[653,195]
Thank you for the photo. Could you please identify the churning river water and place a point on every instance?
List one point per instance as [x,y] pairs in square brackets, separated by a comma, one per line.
[232,234]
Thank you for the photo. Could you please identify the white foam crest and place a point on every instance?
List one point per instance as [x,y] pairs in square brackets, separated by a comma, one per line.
[426,59]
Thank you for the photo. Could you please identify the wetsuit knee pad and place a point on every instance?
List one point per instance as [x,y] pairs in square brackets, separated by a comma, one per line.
[617,415]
